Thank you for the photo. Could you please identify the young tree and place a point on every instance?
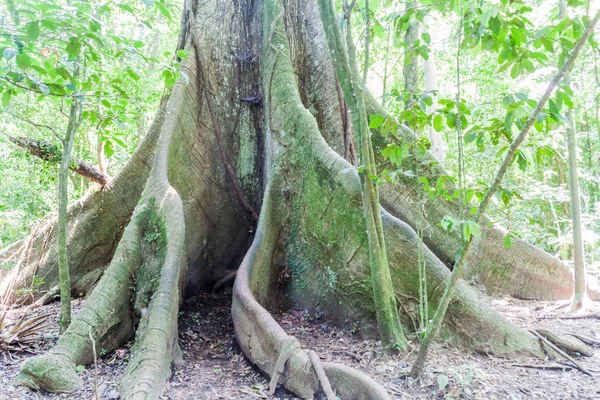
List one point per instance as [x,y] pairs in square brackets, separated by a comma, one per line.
[575,202]
[386,309]
[64,277]
[438,147]
[174,220]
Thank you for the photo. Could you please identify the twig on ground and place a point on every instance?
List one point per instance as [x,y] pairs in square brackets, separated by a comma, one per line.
[581,316]
[587,340]
[546,367]
[562,353]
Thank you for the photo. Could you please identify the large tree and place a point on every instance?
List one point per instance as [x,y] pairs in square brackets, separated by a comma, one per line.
[250,164]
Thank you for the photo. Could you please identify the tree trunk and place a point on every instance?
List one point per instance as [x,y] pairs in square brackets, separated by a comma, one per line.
[574,202]
[172,223]
[64,277]
[411,60]
[438,147]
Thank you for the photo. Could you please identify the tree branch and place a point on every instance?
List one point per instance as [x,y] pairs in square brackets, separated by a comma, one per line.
[52,153]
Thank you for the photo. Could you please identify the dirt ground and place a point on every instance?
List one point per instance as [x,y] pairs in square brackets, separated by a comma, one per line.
[214,367]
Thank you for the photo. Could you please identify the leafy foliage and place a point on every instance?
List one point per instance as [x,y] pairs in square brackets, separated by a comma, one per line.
[119,49]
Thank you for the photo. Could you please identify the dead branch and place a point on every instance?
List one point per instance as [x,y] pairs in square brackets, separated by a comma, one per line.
[562,353]
[52,153]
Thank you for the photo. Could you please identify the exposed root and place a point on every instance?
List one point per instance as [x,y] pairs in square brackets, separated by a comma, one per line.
[106,311]
[149,258]
[587,340]
[52,372]
[545,367]
[325,385]
[266,344]
[150,365]
[288,347]
[224,281]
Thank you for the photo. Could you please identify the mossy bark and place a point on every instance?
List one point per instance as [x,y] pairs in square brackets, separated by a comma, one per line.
[386,309]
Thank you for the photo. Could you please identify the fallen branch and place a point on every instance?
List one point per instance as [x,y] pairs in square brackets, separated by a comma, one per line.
[573,345]
[595,315]
[52,153]
[562,353]
[545,367]
[587,340]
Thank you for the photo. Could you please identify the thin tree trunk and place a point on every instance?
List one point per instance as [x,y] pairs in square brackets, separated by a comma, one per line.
[411,67]
[575,201]
[63,200]
[388,319]
[578,251]
[438,147]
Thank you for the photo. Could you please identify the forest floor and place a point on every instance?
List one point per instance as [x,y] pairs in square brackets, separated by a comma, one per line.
[214,367]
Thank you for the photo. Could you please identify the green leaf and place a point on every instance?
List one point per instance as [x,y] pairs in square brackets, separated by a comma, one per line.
[138,44]
[33,31]
[95,25]
[471,228]
[438,123]
[23,60]
[183,54]
[169,77]
[6,98]
[528,65]
[426,37]
[522,160]
[132,74]
[163,10]
[127,7]
[73,47]
[376,121]
[80,368]
[108,149]
[43,88]
[516,70]
[507,240]
[522,96]
[448,223]
[495,25]
[119,142]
